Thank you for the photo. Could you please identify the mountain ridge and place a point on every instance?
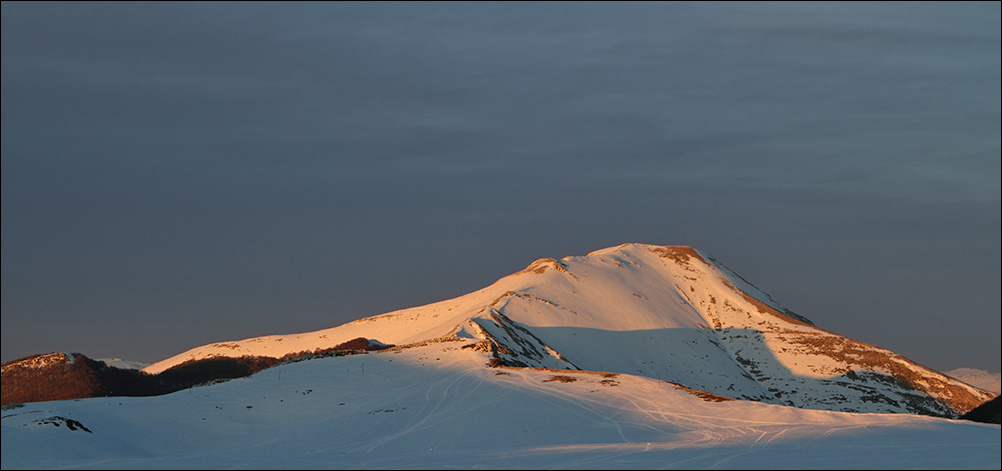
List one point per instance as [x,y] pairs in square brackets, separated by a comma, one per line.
[667,312]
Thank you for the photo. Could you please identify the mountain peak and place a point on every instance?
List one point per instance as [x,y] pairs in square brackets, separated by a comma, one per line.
[666,312]
[629,246]
[544,264]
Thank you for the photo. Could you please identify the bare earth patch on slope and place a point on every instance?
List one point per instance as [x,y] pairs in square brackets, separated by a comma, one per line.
[561,378]
[608,381]
[708,397]
[678,254]
[898,371]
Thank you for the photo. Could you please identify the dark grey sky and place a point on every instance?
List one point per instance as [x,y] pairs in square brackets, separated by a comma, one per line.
[178,174]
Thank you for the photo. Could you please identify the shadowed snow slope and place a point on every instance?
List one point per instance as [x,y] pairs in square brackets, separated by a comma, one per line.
[436,406]
[668,313]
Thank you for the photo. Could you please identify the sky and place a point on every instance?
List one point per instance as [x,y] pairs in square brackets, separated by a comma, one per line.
[177,174]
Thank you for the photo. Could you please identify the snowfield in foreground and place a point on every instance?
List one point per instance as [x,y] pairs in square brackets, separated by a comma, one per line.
[437,406]
[582,362]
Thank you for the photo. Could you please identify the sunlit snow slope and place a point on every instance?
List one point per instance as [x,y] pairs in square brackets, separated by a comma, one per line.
[437,406]
[669,313]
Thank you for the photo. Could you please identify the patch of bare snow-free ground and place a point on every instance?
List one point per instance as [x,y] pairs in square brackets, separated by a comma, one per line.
[979,378]
[437,406]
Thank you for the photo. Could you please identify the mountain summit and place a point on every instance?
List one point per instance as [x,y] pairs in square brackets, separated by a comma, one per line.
[666,312]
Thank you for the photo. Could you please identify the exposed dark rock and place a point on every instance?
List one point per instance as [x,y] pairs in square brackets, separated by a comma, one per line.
[989,412]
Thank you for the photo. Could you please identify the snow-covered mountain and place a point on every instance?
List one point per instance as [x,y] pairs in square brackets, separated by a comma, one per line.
[452,393]
[124,364]
[979,378]
[668,313]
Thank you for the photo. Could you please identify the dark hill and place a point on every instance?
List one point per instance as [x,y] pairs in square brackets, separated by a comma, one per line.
[60,376]
[989,412]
